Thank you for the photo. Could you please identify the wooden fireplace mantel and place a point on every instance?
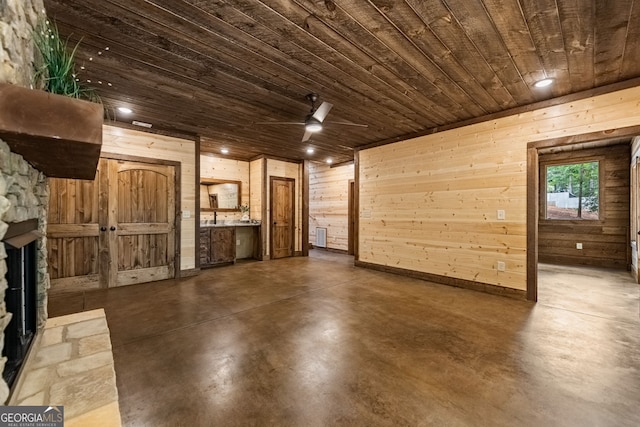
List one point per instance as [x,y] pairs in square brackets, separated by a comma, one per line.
[58,135]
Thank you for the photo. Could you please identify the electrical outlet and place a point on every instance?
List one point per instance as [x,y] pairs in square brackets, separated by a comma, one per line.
[186,214]
[501,266]
[501,214]
[578,245]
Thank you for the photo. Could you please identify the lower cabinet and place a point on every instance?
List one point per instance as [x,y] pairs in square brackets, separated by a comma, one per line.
[223,244]
[217,246]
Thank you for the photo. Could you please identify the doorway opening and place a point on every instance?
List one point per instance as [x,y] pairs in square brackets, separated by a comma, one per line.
[591,238]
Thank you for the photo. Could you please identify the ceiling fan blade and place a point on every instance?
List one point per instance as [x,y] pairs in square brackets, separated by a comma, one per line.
[278,123]
[306,136]
[347,124]
[322,111]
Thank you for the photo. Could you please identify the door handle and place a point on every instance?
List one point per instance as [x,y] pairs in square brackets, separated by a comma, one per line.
[113,228]
[103,228]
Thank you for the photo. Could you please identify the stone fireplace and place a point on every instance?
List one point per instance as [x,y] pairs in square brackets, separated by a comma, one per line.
[70,361]
[23,197]
[20,244]
[23,189]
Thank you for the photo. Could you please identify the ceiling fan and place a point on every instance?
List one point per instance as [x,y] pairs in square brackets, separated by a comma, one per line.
[315,119]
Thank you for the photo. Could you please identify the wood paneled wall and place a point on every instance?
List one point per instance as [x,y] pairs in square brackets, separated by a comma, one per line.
[257,197]
[222,168]
[283,169]
[605,242]
[329,203]
[635,205]
[429,204]
[141,144]
[255,188]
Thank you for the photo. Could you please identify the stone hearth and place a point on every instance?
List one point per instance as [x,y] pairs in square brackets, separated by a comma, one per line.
[72,365]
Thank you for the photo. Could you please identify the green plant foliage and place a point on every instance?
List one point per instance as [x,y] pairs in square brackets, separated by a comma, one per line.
[55,72]
[579,179]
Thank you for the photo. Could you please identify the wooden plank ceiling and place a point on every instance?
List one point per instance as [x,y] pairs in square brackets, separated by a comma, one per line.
[216,68]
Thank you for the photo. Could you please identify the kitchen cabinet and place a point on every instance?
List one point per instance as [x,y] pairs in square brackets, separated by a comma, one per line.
[217,246]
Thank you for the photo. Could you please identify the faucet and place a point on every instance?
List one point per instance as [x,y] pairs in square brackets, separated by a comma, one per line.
[215,217]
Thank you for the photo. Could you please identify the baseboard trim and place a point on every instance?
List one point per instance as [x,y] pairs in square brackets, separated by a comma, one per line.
[338,251]
[449,281]
[189,273]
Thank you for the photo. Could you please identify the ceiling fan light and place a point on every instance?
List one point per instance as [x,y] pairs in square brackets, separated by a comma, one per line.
[313,125]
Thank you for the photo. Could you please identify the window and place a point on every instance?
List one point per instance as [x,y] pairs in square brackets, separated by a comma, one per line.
[573,191]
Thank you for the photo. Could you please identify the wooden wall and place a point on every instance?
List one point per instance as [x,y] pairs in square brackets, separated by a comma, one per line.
[429,204]
[255,188]
[256,200]
[605,243]
[283,169]
[141,144]
[222,168]
[635,205]
[329,203]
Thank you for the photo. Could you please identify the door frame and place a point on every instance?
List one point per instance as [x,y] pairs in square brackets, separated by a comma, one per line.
[293,213]
[177,196]
[351,218]
[533,190]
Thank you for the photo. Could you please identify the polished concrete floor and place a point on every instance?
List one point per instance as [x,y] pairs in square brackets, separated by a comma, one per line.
[317,342]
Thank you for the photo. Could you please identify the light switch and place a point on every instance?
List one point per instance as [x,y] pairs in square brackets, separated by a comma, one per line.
[578,245]
[501,214]
[238,242]
[501,266]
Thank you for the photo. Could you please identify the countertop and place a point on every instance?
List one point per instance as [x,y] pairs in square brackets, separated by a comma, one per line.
[207,224]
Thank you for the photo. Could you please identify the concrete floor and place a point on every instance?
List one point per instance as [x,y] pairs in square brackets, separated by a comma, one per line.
[317,342]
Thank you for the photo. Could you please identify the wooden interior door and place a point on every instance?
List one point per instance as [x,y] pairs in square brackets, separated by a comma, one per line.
[116,230]
[282,217]
[141,222]
[73,236]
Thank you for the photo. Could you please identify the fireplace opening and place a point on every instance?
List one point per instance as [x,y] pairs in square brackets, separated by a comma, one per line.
[20,297]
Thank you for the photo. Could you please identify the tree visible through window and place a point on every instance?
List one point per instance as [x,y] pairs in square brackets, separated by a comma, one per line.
[573,191]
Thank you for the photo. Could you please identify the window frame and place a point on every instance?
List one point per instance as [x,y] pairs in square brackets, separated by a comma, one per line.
[568,160]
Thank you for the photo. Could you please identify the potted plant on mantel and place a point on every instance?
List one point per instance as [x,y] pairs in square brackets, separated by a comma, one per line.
[53,129]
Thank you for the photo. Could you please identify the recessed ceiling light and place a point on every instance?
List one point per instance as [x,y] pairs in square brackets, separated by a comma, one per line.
[329,161]
[310,150]
[224,151]
[143,124]
[543,83]
[125,110]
